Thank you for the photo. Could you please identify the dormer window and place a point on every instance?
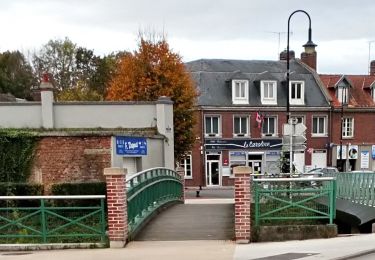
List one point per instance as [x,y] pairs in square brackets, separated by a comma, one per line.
[297,93]
[268,92]
[343,95]
[240,92]
[373,93]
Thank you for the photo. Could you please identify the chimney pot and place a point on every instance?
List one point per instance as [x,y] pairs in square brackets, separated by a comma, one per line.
[283,55]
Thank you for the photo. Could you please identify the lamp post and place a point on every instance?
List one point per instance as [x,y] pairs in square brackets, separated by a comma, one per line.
[309,44]
[342,122]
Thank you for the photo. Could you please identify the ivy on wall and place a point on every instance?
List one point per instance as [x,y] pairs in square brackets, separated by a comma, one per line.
[16,154]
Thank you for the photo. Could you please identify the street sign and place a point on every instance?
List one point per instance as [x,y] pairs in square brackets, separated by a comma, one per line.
[300,129]
[300,139]
[296,148]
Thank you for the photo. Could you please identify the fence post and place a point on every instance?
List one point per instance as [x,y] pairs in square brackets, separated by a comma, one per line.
[181,172]
[242,204]
[117,206]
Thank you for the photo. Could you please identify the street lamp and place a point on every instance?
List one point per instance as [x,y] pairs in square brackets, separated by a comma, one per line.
[308,46]
[342,122]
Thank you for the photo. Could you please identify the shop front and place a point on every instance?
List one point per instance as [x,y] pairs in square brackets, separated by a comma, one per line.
[354,157]
[222,155]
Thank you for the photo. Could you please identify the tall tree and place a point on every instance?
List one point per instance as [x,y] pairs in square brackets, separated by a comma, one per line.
[153,71]
[16,76]
[58,58]
[78,73]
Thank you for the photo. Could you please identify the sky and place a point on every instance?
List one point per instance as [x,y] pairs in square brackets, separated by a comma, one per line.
[213,29]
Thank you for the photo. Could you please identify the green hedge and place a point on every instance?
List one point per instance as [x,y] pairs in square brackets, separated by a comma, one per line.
[81,188]
[20,189]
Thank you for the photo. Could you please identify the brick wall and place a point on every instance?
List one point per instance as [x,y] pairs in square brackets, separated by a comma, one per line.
[71,159]
[242,204]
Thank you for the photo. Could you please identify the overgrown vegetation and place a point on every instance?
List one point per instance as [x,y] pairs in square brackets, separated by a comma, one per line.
[16,155]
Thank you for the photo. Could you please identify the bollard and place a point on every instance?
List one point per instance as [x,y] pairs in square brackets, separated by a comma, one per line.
[197,195]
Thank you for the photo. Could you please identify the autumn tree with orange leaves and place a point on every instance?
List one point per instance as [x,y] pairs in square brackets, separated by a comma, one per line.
[153,71]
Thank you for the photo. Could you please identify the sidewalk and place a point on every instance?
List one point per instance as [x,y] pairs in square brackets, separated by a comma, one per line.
[335,248]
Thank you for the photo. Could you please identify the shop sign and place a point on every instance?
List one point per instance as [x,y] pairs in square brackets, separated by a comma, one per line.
[343,152]
[365,159]
[131,145]
[353,152]
[226,144]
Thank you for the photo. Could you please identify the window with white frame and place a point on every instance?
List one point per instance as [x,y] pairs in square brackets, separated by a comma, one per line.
[297,93]
[212,126]
[300,119]
[268,92]
[347,127]
[319,126]
[269,126]
[342,95]
[240,91]
[373,93]
[240,125]
[186,163]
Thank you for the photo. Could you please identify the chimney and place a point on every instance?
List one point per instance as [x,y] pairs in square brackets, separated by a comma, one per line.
[372,68]
[309,55]
[283,55]
[46,95]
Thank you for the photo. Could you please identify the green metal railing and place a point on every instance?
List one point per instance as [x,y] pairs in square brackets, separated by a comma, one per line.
[147,191]
[358,187]
[52,219]
[278,200]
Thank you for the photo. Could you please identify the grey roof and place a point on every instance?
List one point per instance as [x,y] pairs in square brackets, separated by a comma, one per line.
[213,77]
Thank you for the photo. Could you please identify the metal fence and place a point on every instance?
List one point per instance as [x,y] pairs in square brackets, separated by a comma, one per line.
[279,200]
[52,219]
[358,187]
[149,190]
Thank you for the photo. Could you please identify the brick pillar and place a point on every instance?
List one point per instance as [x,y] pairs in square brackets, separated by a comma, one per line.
[242,203]
[117,207]
[181,172]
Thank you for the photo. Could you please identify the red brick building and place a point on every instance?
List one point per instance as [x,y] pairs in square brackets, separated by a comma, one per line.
[241,112]
[353,120]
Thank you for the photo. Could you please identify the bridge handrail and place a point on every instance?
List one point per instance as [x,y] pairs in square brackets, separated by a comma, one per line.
[294,179]
[280,199]
[357,187]
[147,191]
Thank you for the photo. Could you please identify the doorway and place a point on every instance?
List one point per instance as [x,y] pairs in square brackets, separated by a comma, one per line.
[213,176]
[254,161]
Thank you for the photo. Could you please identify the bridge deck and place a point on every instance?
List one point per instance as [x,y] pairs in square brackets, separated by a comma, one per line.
[191,222]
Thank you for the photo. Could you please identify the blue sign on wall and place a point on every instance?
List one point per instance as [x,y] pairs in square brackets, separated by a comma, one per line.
[131,145]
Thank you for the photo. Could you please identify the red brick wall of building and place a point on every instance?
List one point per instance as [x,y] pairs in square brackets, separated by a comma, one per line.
[71,159]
